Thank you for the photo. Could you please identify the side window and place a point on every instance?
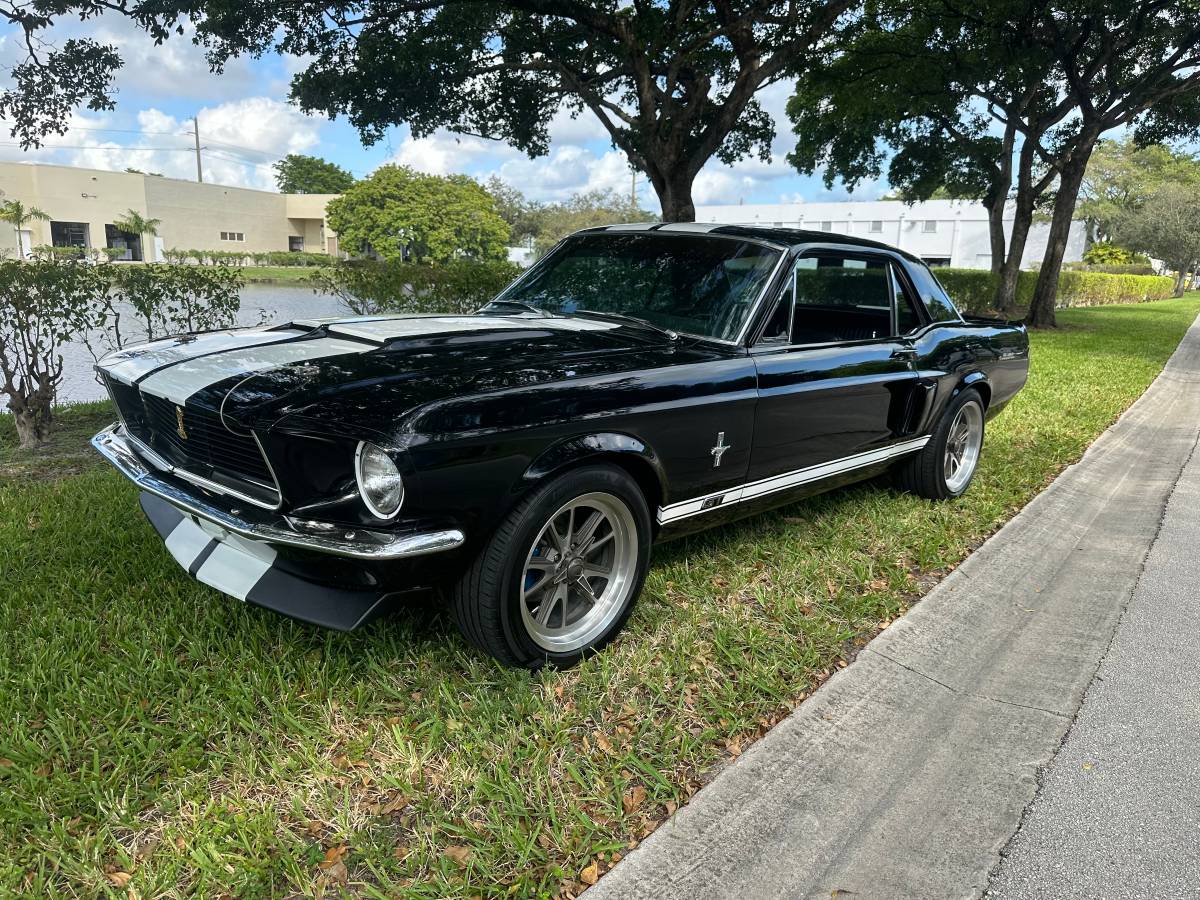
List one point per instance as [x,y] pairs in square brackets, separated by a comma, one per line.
[941,308]
[841,298]
[907,318]
[779,326]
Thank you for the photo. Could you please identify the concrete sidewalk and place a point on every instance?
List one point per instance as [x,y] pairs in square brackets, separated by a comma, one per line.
[909,771]
[1118,813]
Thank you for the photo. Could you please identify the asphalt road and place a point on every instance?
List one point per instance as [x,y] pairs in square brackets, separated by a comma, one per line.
[907,773]
[1118,813]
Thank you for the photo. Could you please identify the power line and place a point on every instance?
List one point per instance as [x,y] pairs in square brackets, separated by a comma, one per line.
[98,147]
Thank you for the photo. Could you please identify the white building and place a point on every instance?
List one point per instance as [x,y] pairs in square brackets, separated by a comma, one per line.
[942,232]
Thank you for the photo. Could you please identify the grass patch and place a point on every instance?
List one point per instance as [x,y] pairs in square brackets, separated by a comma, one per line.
[68,451]
[278,274]
[161,737]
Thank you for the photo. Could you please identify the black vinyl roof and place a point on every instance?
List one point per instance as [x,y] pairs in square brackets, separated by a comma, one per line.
[777,235]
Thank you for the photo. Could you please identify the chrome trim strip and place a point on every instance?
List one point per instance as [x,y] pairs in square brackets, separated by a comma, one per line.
[200,481]
[749,491]
[752,313]
[116,447]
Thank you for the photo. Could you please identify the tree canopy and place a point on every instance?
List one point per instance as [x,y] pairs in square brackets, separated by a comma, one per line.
[1166,226]
[1004,97]
[1121,176]
[672,81]
[300,174]
[401,214]
[544,224]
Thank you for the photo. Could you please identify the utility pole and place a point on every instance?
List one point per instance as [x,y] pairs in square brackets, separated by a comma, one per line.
[196,132]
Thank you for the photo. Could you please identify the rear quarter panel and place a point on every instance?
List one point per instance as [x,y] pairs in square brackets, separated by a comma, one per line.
[991,354]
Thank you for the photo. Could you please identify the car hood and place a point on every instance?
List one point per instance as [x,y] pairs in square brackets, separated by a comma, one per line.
[370,371]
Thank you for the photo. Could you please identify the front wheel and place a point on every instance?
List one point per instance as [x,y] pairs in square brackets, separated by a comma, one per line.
[946,465]
[560,575]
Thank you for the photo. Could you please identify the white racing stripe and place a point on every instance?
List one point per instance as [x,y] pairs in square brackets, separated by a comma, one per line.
[186,541]
[419,326]
[234,569]
[180,381]
[129,365]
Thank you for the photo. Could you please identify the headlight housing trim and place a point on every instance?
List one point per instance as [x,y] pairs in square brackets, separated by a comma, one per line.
[380,484]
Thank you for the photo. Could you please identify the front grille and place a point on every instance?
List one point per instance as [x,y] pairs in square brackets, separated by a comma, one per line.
[203,446]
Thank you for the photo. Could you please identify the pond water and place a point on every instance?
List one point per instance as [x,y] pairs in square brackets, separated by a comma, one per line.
[260,302]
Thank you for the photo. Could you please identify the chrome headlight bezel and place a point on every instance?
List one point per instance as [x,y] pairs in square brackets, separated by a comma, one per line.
[365,454]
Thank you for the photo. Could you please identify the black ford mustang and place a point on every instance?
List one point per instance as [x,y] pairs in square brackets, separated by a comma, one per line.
[638,383]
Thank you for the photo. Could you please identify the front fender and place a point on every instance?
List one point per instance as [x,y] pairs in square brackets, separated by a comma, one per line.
[630,451]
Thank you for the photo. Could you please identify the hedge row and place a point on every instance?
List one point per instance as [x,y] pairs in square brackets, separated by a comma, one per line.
[973,289]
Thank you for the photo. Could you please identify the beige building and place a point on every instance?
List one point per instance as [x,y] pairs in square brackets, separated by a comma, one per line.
[83,203]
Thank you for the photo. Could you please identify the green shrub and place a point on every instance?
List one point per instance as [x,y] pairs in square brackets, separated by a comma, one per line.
[974,289]
[459,286]
[45,303]
[1124,269]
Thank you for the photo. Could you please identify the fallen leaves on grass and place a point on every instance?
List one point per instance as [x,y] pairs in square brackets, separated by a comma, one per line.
[460,855]
[633,799]
[590,874]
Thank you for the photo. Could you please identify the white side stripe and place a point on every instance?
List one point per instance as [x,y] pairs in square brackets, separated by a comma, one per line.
[762,487]
[183,379]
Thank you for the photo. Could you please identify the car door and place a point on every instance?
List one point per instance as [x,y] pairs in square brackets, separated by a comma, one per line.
[835,378]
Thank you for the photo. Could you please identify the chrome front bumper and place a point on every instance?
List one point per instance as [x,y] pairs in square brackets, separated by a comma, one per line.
[118,449]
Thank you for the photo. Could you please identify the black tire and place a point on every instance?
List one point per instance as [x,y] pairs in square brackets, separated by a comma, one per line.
[486,603]
[924,473]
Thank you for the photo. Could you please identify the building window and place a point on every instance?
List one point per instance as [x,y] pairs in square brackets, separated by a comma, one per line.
[295,243]
[929,226]
[232,236]
[827,226]
[69,234]
[877,226]
[130,244]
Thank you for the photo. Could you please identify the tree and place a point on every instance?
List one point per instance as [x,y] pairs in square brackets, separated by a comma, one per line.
[1008,96]
[44,303]
[132,222]
[1166,226]
[949,98]
[1121,175]
[1119,64]
[300,174]
[672,81]
[586,210]
[402,214]
[19,215]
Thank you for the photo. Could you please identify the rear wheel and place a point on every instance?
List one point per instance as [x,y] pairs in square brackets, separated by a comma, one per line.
[946,465]
[560,575]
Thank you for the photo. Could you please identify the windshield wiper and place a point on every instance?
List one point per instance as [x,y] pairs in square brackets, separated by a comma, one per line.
[622,317]
[519,304]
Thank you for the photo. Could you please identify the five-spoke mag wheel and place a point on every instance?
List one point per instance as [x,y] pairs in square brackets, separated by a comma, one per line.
[963,443]
[558,578]
[579,572]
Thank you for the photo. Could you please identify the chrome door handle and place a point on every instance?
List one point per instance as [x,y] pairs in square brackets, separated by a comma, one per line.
[905,353]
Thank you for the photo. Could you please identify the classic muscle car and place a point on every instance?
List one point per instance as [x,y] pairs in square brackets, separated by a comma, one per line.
[637,383]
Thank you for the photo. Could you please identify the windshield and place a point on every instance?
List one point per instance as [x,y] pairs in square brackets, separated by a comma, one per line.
[689,283]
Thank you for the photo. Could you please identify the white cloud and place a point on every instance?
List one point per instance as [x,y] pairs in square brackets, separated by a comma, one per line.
[241,139]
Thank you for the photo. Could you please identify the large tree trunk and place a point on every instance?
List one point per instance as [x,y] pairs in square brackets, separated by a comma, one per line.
[995,210]
[1045,295]
[672,183]
[1181,281]
[32,418]
[1010,271]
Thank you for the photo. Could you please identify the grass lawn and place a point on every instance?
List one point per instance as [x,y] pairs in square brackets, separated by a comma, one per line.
[277,274]
[161,738]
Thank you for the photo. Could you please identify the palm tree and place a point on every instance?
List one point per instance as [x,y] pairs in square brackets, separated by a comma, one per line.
[133,223]
[18,215]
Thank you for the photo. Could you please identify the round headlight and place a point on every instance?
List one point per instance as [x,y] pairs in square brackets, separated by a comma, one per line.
[379,480]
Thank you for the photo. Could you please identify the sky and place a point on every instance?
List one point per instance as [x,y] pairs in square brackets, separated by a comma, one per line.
[246,124]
